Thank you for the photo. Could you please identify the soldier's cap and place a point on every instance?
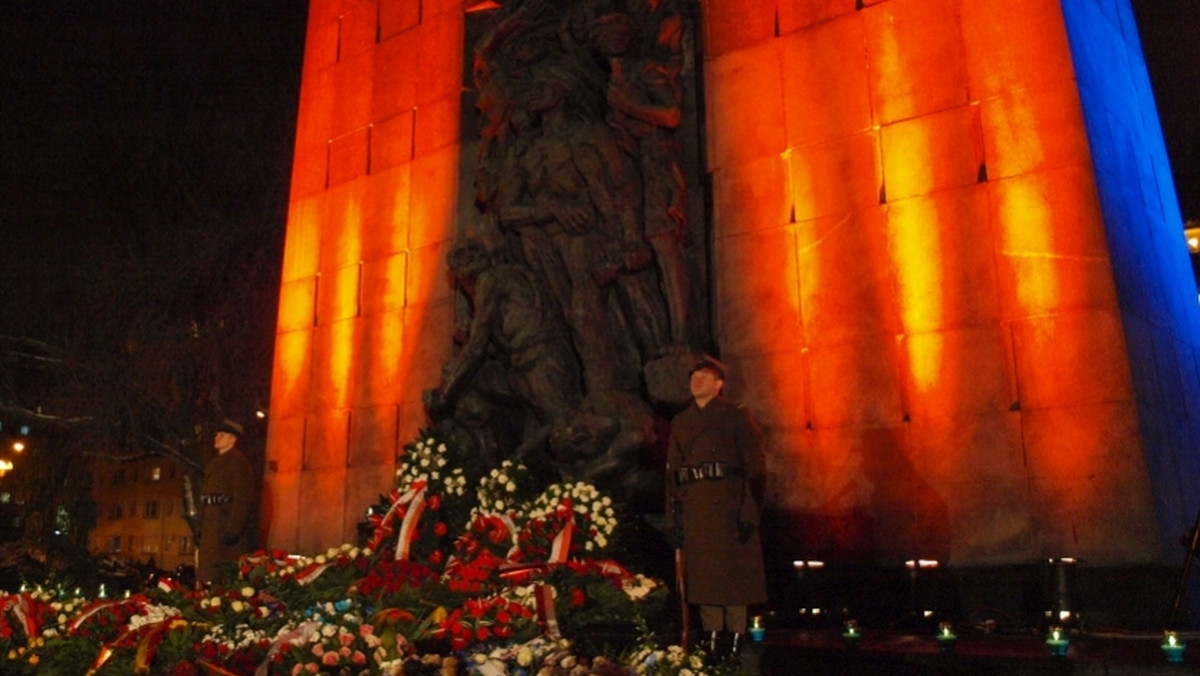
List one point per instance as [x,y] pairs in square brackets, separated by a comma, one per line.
[709,363]
[232,427]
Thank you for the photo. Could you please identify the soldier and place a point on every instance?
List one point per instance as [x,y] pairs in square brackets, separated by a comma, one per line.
[226,498]
[714,499]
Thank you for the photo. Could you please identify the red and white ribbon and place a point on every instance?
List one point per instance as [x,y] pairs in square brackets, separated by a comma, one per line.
[408,529]
[561,548]
[544,594]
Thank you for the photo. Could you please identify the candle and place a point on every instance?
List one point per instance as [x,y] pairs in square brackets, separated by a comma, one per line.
[1172,647]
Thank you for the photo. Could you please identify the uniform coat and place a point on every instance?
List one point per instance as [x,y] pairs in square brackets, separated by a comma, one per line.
[226,501]
[720,568]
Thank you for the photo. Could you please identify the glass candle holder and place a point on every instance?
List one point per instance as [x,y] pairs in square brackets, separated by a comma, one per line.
[1058,641]
[852,634]
[757,628]
[1172,647]
[946,637]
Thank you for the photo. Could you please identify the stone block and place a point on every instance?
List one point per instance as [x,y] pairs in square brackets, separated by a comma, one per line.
[392,142]
[428,277]
[342,226]
[1015,44]
[349,155]
[938,151]
[301,248]
[359,25]
[1052,254]
[386,213]
[285,445]
[373,436]
[990,522]
[773,387]
[788,450]
[858,383]
[958,446]
[736,24]
[310,167]
[434,212]
[292,373]
[437,124]
[320,42]
[439,62]
[280,517]
[326,491]
[751,196]
[941,252]
[830,478]
[397,16]
[756,301]
[1033,129]
[959,372]
[835,177]
[428,345]
[395,77]
[846,284]
[1102,518]
[825,90]
[350,90]
[338,294]
[378,381]
[738,132]
[297,304]
[915,57]
[797,14]
[1071,359]
[325,441]
[383,285]
[332,381]
[1072,442]
[364,485]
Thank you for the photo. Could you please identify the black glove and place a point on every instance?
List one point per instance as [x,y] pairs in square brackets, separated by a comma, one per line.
[745,531]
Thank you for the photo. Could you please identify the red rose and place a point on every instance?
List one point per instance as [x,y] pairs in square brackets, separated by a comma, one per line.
[435,501]
[439,529]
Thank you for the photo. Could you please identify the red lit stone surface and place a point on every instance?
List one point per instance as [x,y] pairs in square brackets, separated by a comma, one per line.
[364,316]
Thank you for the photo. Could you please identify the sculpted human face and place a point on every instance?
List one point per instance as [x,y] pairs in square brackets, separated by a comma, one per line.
[224,441]
[705,385]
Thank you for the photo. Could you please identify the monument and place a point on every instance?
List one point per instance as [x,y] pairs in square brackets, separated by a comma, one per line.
[935,241]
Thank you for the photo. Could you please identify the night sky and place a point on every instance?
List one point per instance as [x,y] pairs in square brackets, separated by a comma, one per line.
[108,107]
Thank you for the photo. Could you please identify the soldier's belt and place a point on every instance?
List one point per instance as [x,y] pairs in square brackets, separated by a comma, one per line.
[215,499]
[706,471]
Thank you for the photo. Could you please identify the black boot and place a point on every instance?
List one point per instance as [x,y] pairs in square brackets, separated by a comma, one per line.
[735,648]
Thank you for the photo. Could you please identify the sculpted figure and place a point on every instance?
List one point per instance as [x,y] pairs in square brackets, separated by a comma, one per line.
[608,442]
[645,98]
[516,353]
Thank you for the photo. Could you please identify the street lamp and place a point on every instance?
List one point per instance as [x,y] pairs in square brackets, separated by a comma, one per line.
[5,466]
[18,446]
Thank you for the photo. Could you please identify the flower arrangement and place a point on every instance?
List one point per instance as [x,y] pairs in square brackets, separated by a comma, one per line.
[567,520]
[490,576]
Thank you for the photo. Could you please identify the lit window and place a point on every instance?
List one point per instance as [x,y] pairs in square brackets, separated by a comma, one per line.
[156,474]
[115,545]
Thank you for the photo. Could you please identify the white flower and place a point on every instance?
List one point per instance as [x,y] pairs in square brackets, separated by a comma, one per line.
[247,592]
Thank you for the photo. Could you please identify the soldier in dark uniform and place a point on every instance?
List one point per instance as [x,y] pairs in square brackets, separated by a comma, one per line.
[226,501]
[714,498]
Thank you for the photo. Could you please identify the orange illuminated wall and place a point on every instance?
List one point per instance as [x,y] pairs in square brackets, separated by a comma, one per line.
[365,310]
[920,280]
[914,284]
